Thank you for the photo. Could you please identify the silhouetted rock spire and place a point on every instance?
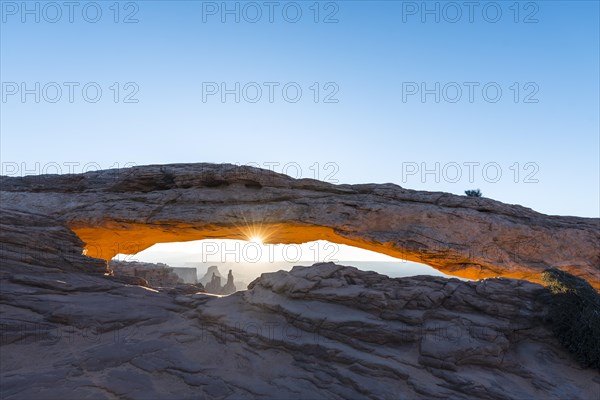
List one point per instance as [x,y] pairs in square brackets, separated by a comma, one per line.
[214,286]
[229,286]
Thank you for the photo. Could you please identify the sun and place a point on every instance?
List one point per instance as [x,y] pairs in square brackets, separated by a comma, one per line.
[256,232]
[256,239]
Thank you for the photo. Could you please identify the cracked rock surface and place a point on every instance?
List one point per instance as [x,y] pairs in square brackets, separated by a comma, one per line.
[325,331]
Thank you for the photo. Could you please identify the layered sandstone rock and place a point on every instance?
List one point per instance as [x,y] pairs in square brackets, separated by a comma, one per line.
[70,330]
[126,211]
[325,331]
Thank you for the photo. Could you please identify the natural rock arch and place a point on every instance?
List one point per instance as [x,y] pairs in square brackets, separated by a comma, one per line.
[125,211]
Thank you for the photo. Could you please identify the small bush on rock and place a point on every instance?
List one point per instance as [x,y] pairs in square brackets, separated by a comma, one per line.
[474,193]
[575,315]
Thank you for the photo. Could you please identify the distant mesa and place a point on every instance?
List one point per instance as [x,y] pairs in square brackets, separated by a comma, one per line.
[213,282]
[156,275]
[206,279]
[186,274]
[183,279]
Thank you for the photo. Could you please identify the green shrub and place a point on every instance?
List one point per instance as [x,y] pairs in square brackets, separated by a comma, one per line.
[575,315]
[474,193]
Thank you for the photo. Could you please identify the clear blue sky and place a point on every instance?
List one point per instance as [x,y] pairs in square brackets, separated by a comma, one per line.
[374,56]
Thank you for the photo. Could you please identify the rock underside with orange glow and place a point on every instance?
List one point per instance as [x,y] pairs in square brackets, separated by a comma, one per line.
[69,330]
[126,211]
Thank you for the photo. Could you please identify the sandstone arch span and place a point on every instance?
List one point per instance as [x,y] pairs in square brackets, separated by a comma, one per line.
[126,211]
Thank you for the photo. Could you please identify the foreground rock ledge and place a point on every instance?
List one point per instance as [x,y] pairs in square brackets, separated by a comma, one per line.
[325,331]
[126,211]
